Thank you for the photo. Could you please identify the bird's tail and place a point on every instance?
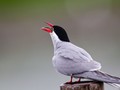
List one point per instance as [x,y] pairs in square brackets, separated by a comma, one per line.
[101,76]
[115,85]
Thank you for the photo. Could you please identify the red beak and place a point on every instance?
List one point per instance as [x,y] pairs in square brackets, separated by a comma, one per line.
[47,29]
[49,24]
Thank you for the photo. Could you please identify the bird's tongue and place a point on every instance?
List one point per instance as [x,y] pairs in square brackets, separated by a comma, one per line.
[46,29]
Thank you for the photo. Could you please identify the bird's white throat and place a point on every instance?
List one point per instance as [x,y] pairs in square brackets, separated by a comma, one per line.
[55,39]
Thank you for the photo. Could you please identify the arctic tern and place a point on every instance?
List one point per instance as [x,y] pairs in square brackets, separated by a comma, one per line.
[74,61]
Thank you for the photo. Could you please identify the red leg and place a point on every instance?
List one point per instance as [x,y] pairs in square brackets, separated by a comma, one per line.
[78,80]
[70,82]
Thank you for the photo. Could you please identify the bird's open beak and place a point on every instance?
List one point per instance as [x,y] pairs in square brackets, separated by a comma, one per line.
[48,29]
[49,24]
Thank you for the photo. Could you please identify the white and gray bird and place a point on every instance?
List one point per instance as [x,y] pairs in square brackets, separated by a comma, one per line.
[74,61]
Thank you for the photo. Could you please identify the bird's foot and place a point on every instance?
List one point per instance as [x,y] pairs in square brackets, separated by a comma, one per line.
[69,82]
[78,81]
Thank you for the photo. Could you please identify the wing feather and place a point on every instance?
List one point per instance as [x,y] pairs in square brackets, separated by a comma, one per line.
[82,61]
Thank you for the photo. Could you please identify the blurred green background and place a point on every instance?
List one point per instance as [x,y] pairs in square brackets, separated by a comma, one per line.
[26,51]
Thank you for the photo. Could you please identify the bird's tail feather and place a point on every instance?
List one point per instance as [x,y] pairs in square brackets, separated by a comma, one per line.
[115,85]
[100,76]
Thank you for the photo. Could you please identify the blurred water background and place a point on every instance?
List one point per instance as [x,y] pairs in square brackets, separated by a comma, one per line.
[26,51]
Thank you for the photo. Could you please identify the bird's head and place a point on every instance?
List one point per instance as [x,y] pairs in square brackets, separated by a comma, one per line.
[59,31]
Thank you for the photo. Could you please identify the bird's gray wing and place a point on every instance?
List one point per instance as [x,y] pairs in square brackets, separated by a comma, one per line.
[81,60]
[71,51]
[99,76]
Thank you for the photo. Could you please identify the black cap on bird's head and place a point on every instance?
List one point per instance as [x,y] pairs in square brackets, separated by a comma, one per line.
[59,31]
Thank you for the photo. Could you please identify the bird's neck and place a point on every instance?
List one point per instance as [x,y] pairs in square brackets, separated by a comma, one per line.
[55,39]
